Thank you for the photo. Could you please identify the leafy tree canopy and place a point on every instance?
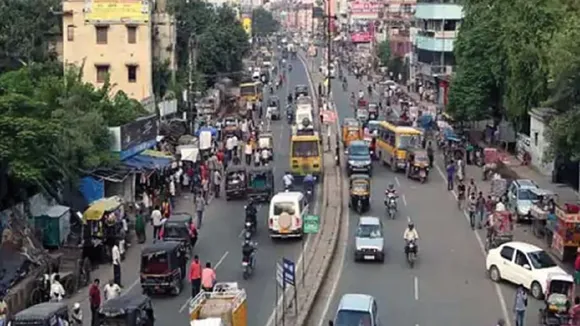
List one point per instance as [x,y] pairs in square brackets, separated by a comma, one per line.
[263,23]
[52,125]
[219,39]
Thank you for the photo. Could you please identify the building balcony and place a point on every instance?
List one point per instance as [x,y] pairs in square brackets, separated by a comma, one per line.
[439,11]
[437,34]
[433,70]
[434,44]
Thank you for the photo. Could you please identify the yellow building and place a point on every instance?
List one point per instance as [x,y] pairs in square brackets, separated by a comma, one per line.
[110,38]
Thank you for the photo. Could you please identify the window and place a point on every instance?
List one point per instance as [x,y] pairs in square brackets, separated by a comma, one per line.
[369,231]
[306,148]
[352,317]
[102,72]
[132,74]
[507,253]
[527,194]
[284,207]
[535,139]
[102,34]
[407,8]
[521,259]
[70,33]
[541,259]
[131,34]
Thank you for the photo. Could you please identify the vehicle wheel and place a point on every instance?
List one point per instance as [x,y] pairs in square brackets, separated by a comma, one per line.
[536,290]
[176,290]
[494,274]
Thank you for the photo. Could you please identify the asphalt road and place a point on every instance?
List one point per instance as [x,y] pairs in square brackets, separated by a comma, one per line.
[221,237]
[448,285]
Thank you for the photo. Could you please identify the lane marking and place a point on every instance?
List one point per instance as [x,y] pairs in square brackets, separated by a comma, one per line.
[397,181]
[409,219]
[416,288]
[215,269]
[404,200]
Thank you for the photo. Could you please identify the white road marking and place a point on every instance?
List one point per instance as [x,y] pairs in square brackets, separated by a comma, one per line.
[404,200]
[397,181]
[409,219]
[186,304]
[416,288]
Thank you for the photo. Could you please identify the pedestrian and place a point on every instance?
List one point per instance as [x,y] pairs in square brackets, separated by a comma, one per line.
[480,209]
[199,208]
[248,152]
[235,149]
[471,207]
[229,148]
[140,226]
[577,268]
[156,218]
[520,305]
[95,301]
[57,292]
[208,278]
[450,175]
[205,188]
[116,256]
[472,187]
[111,290]
[217,182]
[172,190]
[430,154]
[195,276]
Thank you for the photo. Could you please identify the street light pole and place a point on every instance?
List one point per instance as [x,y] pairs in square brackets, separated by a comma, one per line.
[328,48]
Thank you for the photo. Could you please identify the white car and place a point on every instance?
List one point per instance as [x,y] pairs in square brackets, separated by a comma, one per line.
[522,263]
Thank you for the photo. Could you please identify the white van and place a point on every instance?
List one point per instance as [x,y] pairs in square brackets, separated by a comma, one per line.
[286,213]
[304,112]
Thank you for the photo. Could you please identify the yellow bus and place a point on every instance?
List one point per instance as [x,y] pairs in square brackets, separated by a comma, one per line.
[251,92]
[305,154]
[392,142]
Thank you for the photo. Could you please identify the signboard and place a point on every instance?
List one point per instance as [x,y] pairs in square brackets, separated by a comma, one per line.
[365,9]
[138,136]
[361,37]
[311,223]
[289,271]
[247,25]
[328,116]
[116,11]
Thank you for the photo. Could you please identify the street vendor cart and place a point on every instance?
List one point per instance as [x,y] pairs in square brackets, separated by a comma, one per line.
[543,214]
[566,238]
[501,231]
[102,227]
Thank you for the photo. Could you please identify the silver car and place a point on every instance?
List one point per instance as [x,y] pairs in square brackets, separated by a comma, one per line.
[273,108]
[369,241]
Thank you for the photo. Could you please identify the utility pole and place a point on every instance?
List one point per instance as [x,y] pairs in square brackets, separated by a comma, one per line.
[328,48]
[192,67]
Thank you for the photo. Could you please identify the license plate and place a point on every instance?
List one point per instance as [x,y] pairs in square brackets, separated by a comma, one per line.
[284,231]
[369,257]
[422,173]
[245,263]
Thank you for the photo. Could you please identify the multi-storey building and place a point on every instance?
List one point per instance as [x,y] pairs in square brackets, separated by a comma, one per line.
[437,23]
[398,17]
[111,39]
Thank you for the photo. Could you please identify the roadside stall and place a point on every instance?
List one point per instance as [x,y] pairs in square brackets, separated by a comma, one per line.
[543,214]
[566,238]
[102,227]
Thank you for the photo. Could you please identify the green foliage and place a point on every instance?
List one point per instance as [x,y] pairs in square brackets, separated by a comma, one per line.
[218,38]
[384,53]
[54,125]
[263,23]
[27,26]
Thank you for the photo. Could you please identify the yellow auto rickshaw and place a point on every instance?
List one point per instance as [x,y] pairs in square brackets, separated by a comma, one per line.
[103,225]
[417,164]
[360,192]
[351,130]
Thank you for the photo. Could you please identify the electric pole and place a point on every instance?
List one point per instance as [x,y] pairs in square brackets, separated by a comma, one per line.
[192,67]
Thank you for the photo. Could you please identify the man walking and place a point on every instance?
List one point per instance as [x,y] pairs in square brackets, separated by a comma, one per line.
[208,278]
[199,208]
[520,305]
[116,255]
[156,218]
[195,276]
[95,301]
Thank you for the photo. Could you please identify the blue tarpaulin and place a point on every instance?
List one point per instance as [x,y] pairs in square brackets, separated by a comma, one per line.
[210,129]
[92,189]
[141,161]
[425,121]
[449,134]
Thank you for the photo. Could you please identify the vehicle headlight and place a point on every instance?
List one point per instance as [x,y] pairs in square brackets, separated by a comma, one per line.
[351,162]
[366,163]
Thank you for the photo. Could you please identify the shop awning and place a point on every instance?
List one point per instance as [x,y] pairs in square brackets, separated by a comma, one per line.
[145,161]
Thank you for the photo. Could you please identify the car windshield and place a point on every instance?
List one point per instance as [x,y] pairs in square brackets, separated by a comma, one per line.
[353,318]
[369,231]
[175,230]
[358,151]
[527,194]
[540,259]
[273,103]
[248,90]
[155,263]
[408,141]
[284,207]
[305,148]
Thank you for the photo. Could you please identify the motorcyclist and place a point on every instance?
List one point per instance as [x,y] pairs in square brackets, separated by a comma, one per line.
[251,213]
[361,94]
[409,235]
[289,98]
[290,67]
[288,180]
[370,89]
[248,249]
[309,182]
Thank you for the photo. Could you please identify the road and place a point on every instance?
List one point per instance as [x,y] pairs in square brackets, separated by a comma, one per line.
[448,285]
[220,238]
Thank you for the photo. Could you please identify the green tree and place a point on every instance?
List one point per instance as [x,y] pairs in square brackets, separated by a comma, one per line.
[384,53]
[263,22]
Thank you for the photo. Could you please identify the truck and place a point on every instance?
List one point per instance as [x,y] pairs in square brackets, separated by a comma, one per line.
[227,302]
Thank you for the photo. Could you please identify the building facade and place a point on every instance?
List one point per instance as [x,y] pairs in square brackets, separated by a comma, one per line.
[398,18]
[437,23]
[111,40]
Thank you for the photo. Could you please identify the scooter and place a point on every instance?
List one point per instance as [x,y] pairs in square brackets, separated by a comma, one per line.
[411,253]
[391,204]
[249,265]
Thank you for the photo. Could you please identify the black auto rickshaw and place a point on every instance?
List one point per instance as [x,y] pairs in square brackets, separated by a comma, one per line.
[236,182]
[163,267]
[417,164]
[360,192]
[179,227]
[42,314]
[261,183]
[128,309]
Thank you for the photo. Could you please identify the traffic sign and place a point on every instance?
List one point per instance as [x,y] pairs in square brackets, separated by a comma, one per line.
[289,271]
[328,116]
[279,275]
[311,224]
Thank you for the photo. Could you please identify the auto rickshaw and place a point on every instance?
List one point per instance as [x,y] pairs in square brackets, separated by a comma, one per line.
[360,192]
[266,141]
[236,179]
[373,111]
[351,130]
[42,314]
[417,164]
[163,267]
[231,127]
[127,309]
[261,183]
[557,299]
[102,227]
[178,228]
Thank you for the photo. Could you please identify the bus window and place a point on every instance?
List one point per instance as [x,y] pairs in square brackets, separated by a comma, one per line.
[248,90]
[408,141]
[305,148]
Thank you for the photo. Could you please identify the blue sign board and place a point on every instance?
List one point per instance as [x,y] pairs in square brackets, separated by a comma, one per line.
[289,271]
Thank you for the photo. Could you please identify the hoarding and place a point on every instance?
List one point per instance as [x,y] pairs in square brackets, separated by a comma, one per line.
[364,9]
[247,25]
[117,11]
[361,37]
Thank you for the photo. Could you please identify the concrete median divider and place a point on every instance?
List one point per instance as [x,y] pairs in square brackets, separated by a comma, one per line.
[322,248]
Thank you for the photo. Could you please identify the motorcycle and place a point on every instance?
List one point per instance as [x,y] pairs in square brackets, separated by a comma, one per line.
[391,204]
[248,265]
[411,253]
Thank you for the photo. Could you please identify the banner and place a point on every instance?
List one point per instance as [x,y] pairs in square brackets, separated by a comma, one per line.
[247,25]
[140,131]
[360,9]
[116,11]
[361,37]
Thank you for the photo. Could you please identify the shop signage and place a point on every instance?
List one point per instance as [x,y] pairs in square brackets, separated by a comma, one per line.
[138,136]
[365,8]
[361,37]
[117,11]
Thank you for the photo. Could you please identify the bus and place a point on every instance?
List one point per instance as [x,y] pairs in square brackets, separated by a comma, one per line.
[305,154]
[251,92]
[393,141]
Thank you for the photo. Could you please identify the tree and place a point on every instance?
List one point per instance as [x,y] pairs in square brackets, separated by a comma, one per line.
[384,52]
[263,23]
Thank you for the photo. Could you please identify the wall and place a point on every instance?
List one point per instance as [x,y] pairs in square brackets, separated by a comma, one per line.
[439,11]
[538,145]
[83,50]
[435,44]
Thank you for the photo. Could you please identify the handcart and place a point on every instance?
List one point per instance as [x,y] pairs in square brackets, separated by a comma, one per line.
[501,231]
